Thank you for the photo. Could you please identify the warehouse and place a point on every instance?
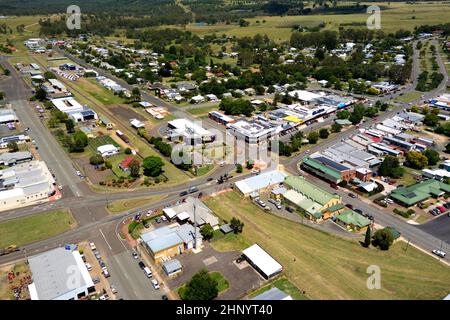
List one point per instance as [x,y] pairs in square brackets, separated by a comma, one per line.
[74,109]
[260,182]
[8,116]
[53,273]
[267,266]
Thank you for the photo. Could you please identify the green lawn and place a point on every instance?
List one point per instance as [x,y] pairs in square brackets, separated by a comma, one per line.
[204,170]
[409,96]
[129,204]
[284,285]
[222,283]
[200,111]
[326,266]
[35,227]
[229,242]
[408,177]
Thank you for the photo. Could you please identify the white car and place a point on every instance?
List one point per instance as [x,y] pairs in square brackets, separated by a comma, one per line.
[113,289]
[79,173]
[149,213]
[92,245]
[155,284]
[439,253]
[88,267]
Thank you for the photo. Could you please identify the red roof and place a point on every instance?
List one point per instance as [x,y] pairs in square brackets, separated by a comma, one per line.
[126,162]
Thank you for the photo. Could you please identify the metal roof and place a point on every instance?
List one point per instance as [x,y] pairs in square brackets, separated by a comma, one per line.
[273,294]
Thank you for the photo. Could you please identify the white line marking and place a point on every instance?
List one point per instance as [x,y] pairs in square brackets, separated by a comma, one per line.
[105,239]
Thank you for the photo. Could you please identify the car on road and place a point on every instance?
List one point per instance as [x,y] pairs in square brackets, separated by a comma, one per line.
[148,272]
[135,255]
[184,193]
[439,253]
[102,264]
[352,195]
[290,209]
[113,288]
[106,273]
[350,206]
[97,255]
[209,179]
[141,265]
[79,174]
[192,189]
[164,297]
[155,284]
[92,245]
[358,210]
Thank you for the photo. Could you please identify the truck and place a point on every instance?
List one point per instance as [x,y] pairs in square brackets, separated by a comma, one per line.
[122,136]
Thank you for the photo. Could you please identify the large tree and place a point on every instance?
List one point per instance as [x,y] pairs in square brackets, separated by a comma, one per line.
[152,166]
[383,239]
[390,167]
[432,156]
[416,160]
[237,225]
[134,167]
[201,287]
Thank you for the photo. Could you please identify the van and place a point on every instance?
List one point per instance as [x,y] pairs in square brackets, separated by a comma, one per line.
[148,272]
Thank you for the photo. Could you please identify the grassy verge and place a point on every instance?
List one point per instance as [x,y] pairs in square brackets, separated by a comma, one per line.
[284,285]
[129,204]
[222,283]
[326,266]
[36,227]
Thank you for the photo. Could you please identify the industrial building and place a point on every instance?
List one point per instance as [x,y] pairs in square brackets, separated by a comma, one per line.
[13,158]
[267,266]
[73,109]
[260,182]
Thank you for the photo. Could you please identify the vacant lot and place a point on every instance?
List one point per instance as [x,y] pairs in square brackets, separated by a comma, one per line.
[36,227]
[330,267]
[19,277]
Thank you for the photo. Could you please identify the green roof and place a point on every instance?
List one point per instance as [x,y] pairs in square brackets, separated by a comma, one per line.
[351,217]
[319,166]
[336,207]
[311,191]
[420,191]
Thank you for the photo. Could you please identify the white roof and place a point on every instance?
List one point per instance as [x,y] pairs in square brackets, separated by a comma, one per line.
[260,258]
[136,123]
[12,193]
[170,213]
[303,95]
[107,148]
[183,215]
[260,181]
[67,105]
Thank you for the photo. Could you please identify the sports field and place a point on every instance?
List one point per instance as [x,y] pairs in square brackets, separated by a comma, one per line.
[330,267]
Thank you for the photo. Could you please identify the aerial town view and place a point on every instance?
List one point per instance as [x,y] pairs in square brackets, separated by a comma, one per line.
[224,150]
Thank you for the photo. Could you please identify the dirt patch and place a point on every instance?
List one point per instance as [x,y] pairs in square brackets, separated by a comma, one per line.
[95,176]
[14,281]
[126,113]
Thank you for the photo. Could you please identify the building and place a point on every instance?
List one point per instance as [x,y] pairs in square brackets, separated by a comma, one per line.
[352,221]
[55,89]
[20,138]
[73,109]
[108,150]
[273,294]
[267,266]
[221,118]
[169,241]
[419,192]
[172,267]
[309,198]
[252,132]
[125,164]
[54,272]
[260,182]
[189,132]
[328,169]
[25,184]
[185,211]
[438,174]
[442,102]
[13,158]
[8,116]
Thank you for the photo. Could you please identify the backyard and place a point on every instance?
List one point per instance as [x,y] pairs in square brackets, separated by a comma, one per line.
[330,267]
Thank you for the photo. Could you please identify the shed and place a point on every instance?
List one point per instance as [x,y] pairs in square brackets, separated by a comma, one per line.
[266,265]
[172,267]
[226,228]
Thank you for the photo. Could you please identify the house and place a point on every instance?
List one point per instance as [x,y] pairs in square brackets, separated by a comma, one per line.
[419,192]
[190,208]
[260,182]
[53,273]
[107,150]
[124,165]
[309,198]
[197,99]
[169,241]
[13,158]
[267,266]
[352,220]
[273,294]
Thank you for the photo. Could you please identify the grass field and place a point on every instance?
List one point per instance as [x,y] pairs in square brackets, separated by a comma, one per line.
[200,111]
[36,227]
[130,204]
[222,283]
[284,285]
[409,96]
[330,267]
[229,242]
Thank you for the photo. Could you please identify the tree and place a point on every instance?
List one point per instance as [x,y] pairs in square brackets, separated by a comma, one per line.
[343,114]
[249,164]
[390,167]
[237,225]
[96,160]
[432,156]
[324,133]
[49,75]
[152,166]
[40,94]
[80,140]
[134,168]
[367,237]
[127,151]
[416,160]
[201,287]
[336,127]
[383,239]
[431,119]
[239,168]
[207,232]
[447,148]
[313,137]
[12,146]
[70,126]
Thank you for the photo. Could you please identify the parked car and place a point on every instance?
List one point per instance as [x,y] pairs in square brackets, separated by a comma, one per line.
[148,272]
[135,255]
[350,206]
[106,273]
[155,284]
[96,280]
[442,209]
[141,265]
[184,193]
[97,255]
[149,213]
[290,209]
[146,224]
[113,288]
[192,189]
[164,297]
[272,200]
[267,208]
[352,195]
[92,245]
[334,186]
[439,253]
[158,220]
[88,267]
[358,210]
[209,179]
[446,205]
[278,205]
[102,264]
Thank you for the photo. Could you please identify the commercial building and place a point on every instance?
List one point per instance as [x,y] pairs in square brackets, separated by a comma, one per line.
[328,169]
[252,132]
[185,211]
[108,150]
[20,138]
[309,198]
[272,295]
[59,274]
[8,116]
[73,109]
[221,118]
[267,266]
[172,267]
[189,132]
[419,192]
[169,241]
[442,102]
[352,221]
[260,182]
[25,184]
[438,174]
[13,158]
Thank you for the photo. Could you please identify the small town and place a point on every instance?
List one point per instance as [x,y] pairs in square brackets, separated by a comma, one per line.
[224,154]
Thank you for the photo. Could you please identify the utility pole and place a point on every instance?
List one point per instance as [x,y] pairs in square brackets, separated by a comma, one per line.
[407,245]
[195,226]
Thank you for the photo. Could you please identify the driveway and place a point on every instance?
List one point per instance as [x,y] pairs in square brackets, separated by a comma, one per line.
[241,281]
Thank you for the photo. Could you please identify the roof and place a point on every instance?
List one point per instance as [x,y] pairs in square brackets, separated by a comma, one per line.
[161,239]
[351,217]
[183,215]
[126,162]
[9,157]
[202,213]
[308,205]
[313,163]
[226,228]
[306,188]
[171,266]
[368,186]
[261,181]
[420,191]
[273,294]
[50,273]
[106,148]
[336,207]
[261,259]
